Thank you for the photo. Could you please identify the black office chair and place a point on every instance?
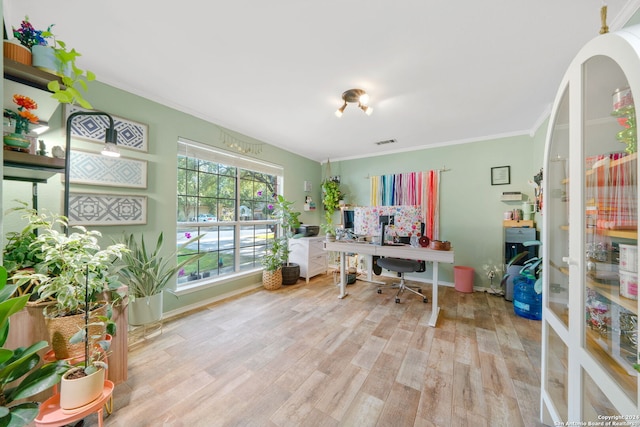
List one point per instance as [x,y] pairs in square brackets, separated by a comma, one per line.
[402,266]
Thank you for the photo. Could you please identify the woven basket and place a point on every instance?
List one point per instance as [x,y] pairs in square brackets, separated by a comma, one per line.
[272,280]
[61,329]
[17,52]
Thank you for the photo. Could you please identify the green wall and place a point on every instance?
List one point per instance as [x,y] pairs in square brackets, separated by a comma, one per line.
[165,126]
[471,210]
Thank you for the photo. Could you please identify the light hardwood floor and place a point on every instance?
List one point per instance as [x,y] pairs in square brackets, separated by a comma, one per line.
[299,356]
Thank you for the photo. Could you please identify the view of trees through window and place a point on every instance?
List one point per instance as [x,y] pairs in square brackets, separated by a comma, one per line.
[231,207]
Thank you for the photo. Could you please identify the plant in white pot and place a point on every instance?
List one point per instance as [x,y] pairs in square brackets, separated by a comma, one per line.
[147,273]
[84,383]
[74,267]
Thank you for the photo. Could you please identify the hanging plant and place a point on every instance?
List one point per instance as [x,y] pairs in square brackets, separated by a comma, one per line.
[331,196]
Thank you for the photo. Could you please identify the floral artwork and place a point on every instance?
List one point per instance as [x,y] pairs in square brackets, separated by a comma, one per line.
[407,220]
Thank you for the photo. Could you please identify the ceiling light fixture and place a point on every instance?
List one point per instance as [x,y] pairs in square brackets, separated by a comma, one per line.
[355,95]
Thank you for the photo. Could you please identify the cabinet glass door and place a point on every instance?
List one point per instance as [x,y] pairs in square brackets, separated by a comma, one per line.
[557,176]
[609,282]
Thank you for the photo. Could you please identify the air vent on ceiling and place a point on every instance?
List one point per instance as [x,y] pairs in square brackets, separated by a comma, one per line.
[386,141]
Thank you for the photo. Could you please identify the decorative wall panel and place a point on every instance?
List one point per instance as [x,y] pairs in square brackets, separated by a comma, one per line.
[131,134]
[107,209]
[96,169]
[407,220]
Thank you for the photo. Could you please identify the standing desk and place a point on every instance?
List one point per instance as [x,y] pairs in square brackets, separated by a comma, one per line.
[395,251]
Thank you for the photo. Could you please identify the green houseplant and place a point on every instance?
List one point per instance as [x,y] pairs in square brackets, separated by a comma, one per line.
[74,266]
[21,375]
[147,273]
[272,262]
[84,383]
[289,222]
[331,196]
[74,79]
[54,56]
[19,252]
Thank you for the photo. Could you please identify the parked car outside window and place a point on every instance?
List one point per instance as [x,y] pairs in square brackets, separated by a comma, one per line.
[204,218]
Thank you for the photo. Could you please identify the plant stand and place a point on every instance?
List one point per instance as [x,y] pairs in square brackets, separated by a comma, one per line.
[141,333]
[51,415]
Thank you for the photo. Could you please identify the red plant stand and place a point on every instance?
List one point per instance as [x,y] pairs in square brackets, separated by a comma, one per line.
[51,415]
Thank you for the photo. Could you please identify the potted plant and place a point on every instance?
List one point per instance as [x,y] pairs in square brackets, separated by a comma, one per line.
[74,266]
[21,374]
[147,273]
[54,56]
[289,222]
[272,262]
[84,383]
[19,252]
[19,49]
[74,79]
[17,140]
[331,196]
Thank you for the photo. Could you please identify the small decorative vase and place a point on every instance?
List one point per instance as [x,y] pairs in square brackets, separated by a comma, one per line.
[12,49]
[22,127]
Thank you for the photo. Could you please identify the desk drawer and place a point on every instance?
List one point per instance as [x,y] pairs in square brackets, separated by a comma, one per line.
[317,265]
[316,248]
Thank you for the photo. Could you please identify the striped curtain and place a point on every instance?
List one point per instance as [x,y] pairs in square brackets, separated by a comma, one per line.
[411,188]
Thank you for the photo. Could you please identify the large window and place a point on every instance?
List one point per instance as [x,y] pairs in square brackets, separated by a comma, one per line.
[227,198]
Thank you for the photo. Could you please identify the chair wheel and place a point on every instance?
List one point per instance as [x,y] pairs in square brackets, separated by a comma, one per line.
[425,300]
[397,300]
[379,291]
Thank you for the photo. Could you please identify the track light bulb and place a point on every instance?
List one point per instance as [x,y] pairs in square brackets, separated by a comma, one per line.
[367,110]
[340,110]
[364,99]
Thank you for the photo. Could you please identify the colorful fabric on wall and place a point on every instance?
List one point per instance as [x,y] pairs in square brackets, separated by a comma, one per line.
[410,188]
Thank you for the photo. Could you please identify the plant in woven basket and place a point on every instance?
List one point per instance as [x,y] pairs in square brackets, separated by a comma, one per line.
[274,256]
[67,261]
[74,269]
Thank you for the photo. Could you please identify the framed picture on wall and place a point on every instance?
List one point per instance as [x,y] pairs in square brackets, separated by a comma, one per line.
[107,209]
[131,135]
[96,169]
[501,175]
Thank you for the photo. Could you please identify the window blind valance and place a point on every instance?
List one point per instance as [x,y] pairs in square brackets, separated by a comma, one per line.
[205,152]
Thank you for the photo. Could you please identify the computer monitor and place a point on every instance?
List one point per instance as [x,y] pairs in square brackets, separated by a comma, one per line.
[348,216]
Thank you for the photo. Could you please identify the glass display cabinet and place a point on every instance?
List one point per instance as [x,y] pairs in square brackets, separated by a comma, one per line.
[590,237]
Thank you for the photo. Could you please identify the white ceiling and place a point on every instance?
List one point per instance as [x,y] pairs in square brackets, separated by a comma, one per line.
[437,72]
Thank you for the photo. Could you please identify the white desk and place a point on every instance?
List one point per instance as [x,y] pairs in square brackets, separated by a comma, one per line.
[406,252]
